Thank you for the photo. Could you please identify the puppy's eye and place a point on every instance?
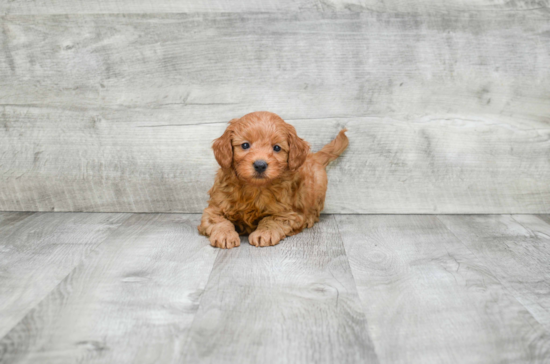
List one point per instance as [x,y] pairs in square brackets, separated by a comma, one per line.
[277,148]
[245,145]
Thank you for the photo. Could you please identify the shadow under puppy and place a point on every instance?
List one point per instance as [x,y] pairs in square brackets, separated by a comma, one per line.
[269,185]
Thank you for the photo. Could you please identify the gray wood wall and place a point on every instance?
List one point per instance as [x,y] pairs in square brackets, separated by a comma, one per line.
[112,105]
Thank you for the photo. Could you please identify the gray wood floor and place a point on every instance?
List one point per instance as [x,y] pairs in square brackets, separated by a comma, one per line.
[146,288]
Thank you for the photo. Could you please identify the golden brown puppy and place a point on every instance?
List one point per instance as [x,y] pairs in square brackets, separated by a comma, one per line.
[269,185]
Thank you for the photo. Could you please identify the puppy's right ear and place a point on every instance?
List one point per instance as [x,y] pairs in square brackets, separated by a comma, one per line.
[223,150]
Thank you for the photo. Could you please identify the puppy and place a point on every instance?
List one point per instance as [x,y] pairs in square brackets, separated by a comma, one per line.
[269,185]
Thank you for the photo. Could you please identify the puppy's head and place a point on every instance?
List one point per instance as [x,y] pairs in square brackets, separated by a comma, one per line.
[260,146]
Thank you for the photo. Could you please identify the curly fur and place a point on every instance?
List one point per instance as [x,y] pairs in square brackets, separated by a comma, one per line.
[288,197]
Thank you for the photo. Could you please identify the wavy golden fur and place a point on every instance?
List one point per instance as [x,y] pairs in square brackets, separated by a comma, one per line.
[279,201]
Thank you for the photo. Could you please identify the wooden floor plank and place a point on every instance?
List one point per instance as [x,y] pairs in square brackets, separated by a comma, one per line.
[544,218]
[131,301]
[39,252]
[516,248]
[292,303]
[204,6]
[428,299]
[8,220]
[146,6]
[413,291]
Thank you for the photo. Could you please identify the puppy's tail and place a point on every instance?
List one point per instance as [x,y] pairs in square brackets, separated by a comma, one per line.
[332,150]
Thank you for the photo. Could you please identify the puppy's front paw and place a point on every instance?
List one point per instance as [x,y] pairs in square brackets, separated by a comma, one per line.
[225,239]
[264,238]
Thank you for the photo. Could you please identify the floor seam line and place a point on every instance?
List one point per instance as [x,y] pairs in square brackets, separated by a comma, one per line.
[78,264]
[187,339]
[356,289]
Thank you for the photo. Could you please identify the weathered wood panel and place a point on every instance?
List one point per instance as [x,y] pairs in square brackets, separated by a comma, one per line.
[39,252]
[449,6]
[429,165]
[292,303]
[428,299]
[99,112]
[147,6]
[175,6]
[132,301]
[517,251]
[304,65]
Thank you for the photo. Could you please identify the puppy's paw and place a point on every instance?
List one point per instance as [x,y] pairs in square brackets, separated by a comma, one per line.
[264,238]
[225,239]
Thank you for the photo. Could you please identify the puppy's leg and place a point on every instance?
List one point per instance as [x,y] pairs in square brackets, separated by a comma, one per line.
[221,232]
[272,229]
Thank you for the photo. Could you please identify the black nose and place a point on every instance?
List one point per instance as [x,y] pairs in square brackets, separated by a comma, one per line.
[260,166]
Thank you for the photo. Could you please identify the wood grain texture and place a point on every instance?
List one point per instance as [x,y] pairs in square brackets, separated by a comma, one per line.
[397,289]
[39,252]
[430,6]
[544,218]
[214,67]
[447,113]
[292,303]
[174,6]
[517,251]
[428,299]
[147,6]
[8,220]
[131,301]
[429,165]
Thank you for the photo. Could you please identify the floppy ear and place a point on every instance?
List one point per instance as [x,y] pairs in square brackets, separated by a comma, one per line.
[299,149]
[223,150]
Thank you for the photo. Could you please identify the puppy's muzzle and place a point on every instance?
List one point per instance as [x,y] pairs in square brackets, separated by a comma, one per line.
[260,166]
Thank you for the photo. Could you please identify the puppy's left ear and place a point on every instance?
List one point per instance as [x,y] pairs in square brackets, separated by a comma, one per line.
[223,150]
[299,149]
